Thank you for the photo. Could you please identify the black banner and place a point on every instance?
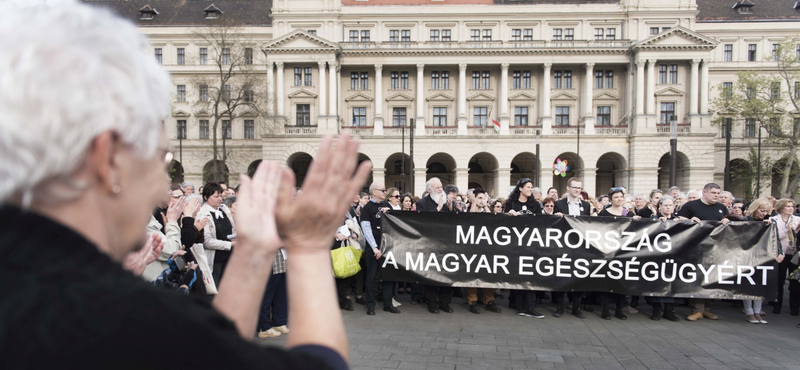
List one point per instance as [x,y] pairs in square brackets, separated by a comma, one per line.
[645,257]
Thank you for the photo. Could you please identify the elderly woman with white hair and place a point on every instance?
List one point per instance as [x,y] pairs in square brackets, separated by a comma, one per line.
[82,155]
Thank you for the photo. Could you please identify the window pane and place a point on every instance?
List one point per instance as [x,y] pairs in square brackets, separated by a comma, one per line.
[526,79]
[181,56]
[434,35]
[364,80]
[673,74]
[567,79]
[569,34]
[609,79]
[485,80]
[440,116]
[303,117]
[204,129]
[479,116]
[446,35]
[181,93]
[353,80]
[226,56]
[476,80]
[298,76]
[181,129]
[445,80]
[226,129]
[516,80]
[249,129]
[398,116]
[307,74]
[405,36]
[404,80]
[365,36]
[353,36]
[248,56]
[727,55]
[159,57]
[359,116]
[394,35]
[598,79]
[203,56]
[520,116]
[611,34]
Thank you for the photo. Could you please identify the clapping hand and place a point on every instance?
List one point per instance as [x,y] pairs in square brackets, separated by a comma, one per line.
[256,229]
[137,261]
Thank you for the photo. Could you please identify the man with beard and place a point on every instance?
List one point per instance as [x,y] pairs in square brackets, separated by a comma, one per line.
[437,200]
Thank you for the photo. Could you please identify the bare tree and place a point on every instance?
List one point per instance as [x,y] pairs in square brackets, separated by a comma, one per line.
[232,88]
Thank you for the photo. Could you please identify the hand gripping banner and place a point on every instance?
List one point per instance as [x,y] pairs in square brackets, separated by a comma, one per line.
[645,257]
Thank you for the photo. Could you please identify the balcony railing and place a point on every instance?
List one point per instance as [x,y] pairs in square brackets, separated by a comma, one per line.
[480,131]
[611,131]
[683,128]
[302,130]
[494,44]
[566,130]
[360,130]
[524,130]
[441,130]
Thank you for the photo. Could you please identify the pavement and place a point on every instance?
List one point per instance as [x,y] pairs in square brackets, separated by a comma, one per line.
[416,339]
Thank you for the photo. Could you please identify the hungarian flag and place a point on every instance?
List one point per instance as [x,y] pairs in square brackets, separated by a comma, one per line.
[496,126]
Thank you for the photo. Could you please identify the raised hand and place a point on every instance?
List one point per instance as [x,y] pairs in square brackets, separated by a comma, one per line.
[137,261]
[200,224]
[175,209]
[256,229]
[192,207]
[307,223]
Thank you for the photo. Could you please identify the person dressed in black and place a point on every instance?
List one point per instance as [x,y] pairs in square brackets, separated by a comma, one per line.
[521,202]
[707,208]
[666,212]
[215,235]
[439,199]
[370,220]
[651,210]
[572,205]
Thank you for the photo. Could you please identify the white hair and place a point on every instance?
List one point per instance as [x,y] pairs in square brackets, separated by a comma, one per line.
[429,184]
[67,74]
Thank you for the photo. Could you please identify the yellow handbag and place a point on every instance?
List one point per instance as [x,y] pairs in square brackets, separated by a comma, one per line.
[345,260]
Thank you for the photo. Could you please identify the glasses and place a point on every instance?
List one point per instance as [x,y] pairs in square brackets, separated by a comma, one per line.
[175,196]
[576,187]
[498,206]
[383,190]
[396,196]
[548,206]
[735,207]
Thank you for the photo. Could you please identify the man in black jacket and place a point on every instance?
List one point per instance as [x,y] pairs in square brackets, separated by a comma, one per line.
[370,221]
[572,205]
[438,200]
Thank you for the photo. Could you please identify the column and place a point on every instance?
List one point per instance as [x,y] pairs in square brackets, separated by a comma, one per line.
[323,112]
[333,107]
[419,180]
[270,90]
[502,179]
[279,90]
[589,177]
[640,87]
[651,87]
[588,116]
[462,179]
[462,99]
[420,101]
[379,175]
[704,87]
[694,87]
[545,118]
[504,119]
[378,128]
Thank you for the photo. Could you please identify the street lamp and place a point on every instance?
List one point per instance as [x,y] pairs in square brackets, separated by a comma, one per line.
[673,148]
[538,170]
[758,165]
[727,184]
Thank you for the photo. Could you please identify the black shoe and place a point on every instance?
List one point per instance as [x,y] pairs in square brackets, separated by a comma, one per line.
[491,306]
[348,307]
[634,301]
[370,311]
[446,308]
[559,312]
[391,309]
[361,300]
[474,308]
[577,313]
[588,308]
[531,313]
[605,315]
[433,310]
[670,315]
[416,301]
[538,301]
[620,315]
[656,314]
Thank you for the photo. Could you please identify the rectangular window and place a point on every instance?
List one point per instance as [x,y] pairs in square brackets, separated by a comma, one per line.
[227,133]
[440,116]
[485,80]
[364,80]
[653,31]
[226,92]
[775,92]
[248,56]
[249,129]
[599,34]
[404,80]
[611,34]
[159,57]
[797,90]
[353,36]
[479,116]
[476,80]
[394,35]
[750,93]
[365,36]
[727,54]
[751,52]
[598,79]
[204,93]
[204,129]
[609,79]
[312,32]
[568,79]
[474,35]
[520,116]
[797,52]
[434,35]
[249,95]
[405,36]
[226,56]
[398,167]
[487,35]
[398,116]
[181,56]
[557,33]
[527,34]
[556,79]
[662,74]
[307,76]
[673,74]
[665,29]
[516,79]
[603,115]
[353,80]
[445,80]
[395,78]
[562,116]
[182,129]
[569,34]
[203,56]
[181,93]
[303,115]
[446,35]
[749,127]
[516,34]
[526,79]
[359,116]
[775,52]
[298,76]
[727,90]
[667,112]
[435,80]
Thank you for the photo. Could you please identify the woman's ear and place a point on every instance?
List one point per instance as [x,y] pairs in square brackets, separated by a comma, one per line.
[103,153]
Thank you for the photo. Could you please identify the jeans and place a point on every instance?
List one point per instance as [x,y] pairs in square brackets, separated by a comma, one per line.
[373,268]
[274,298]
[752,306]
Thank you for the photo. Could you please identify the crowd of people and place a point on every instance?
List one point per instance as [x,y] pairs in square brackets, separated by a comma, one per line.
[707,204]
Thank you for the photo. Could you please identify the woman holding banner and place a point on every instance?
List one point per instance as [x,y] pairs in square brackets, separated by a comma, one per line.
[521,202]
[616,210]
[666,213]
[788,258]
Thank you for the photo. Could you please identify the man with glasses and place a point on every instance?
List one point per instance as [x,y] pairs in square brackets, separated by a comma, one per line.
[572,205]
[370,221]
[439,199]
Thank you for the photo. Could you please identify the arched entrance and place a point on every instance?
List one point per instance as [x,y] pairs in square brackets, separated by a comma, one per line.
[251,169]
[681,172]
[575,165]
[216,171]
[777,177]
[175,171]
[483,174]
[522,166]
[299,163]
[743,179]
[610,172]
[395,166]
[441,165]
